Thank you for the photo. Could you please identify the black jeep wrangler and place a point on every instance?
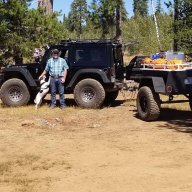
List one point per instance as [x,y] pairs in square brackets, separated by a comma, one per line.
[95,74]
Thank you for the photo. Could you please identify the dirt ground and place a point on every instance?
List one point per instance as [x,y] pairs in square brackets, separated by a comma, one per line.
[104,150]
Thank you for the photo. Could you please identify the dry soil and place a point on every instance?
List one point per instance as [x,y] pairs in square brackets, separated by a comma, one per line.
[103,150]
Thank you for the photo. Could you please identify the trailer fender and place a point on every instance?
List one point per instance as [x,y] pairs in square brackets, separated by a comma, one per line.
[158,84]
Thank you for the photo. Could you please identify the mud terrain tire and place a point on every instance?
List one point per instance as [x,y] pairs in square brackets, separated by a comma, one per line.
[89,93]
[14,92]
[148,104]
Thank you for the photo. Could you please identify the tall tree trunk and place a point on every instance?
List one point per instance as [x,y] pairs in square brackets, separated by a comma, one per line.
[175,25]
[118,36]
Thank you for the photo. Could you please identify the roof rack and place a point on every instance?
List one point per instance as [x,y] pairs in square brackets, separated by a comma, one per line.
[88,41]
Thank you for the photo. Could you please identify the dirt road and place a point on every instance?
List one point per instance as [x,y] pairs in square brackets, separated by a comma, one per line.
[105,150]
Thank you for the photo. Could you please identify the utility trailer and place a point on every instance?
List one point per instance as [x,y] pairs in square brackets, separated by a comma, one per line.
[154,80]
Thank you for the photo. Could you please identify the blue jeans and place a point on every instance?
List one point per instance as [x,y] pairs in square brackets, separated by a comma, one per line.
[57,85]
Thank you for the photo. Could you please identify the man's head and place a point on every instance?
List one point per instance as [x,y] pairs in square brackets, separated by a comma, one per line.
[55,53]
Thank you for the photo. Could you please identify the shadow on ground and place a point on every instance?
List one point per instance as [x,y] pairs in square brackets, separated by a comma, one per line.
[71,103]
[178,120]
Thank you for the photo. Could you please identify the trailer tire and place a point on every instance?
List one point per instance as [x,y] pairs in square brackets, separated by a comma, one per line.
[14,92]
[89,93]
[148,104]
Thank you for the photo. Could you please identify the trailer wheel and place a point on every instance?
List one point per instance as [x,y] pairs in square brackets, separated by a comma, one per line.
[190,101]
[14,92]
[148,104]
[89,93]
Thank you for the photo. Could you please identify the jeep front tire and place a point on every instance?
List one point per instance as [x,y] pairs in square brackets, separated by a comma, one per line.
[14,92]
[89,93]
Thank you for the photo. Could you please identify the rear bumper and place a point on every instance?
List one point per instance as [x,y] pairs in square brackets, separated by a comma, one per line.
[114,86]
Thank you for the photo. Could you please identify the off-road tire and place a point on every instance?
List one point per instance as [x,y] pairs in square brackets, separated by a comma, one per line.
[190,101]
[148,104]
[89,93]
[110,97]
[14,92]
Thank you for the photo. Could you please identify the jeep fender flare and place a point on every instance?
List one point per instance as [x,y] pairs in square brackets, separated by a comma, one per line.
[88,73]
[21,71]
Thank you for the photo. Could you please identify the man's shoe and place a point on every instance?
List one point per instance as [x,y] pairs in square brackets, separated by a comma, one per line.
[52,107]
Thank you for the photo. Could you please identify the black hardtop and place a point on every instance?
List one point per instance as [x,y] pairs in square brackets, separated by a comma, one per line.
[90,41]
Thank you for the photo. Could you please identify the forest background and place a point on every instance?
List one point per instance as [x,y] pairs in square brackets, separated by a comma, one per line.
[23,28]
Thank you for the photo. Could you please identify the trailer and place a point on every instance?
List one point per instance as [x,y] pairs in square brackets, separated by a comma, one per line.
[156,79]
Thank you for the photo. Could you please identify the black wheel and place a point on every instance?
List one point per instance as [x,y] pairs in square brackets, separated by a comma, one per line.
[148,104]
[110,97]
[190,101]
[89,93]
[14,92]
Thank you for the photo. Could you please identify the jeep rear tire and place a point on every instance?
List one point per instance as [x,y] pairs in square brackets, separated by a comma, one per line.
[89,93]
[14,92]
[110,97]
[148,104]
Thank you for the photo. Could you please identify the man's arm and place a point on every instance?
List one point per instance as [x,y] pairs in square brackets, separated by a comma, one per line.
[64,76]
[44,73]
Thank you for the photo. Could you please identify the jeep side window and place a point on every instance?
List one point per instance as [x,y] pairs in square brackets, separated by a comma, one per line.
[64,53]
[90,56]
[80,55]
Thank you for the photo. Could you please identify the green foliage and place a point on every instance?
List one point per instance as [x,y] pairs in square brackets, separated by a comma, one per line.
[183,25]
[22,29]
[159,7]
[103,13]
[140,7]
[142,31]
[77,17]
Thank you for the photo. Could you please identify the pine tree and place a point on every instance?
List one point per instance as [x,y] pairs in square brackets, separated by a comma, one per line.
[77,16]
[120,15]
[23,29]
[140,7]
[183,25]
[158,7]
[106,14]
